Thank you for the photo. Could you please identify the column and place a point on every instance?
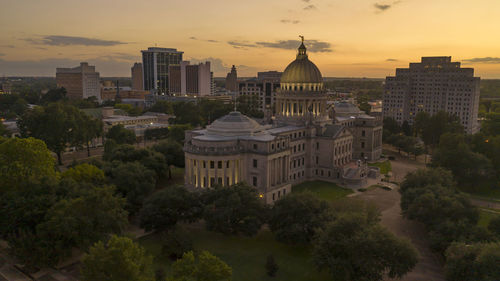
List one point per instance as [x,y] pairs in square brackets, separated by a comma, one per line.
[233,174]
[224,163]
[198,176]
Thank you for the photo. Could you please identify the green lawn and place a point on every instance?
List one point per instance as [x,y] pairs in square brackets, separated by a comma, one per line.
[177,178]
[385,167]
[323,190]
[483,192]
[246,255]
[485,217]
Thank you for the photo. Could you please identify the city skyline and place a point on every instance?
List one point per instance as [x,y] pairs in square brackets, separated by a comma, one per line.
[347,39]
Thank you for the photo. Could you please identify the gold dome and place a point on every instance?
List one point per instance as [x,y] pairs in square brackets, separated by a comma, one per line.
[301,70]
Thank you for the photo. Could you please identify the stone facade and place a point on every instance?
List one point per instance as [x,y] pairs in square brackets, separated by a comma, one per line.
[80,82]
[303,143]
[434,84]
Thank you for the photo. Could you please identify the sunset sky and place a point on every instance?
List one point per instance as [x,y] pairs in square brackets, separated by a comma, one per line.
[346,38]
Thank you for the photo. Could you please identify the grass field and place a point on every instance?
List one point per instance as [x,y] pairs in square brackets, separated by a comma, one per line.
[483,192]
[385,167]
[323,190]
[485,216]
[246,255]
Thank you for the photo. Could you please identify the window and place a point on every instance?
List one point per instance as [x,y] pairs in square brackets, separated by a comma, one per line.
[317,160]
[362,144]
[255,146]
[284,192]
[254,181]
[363,133]
[279,194]
[272,146]
[212,181]
[219,181]
[273,196]
[227,181]
[317,145]
[227,164]
[204,164]
[303,146]
[219,164]
[212,164]
[294,148]
[255,163]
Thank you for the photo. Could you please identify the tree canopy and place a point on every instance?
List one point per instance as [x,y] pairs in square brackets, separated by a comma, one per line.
[206,267]
[120,259]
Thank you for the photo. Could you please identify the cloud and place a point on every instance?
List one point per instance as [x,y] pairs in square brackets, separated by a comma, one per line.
[2,54]
[107,66]
[220,69]
[384,7]
[307,1]
[241,44]
[313,46]
[290,21]
[490,60]
[209,40]
[391,60]
[61,40]
[310,7]
[8,46]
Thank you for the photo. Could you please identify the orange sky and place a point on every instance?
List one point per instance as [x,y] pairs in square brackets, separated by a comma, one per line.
[352,38]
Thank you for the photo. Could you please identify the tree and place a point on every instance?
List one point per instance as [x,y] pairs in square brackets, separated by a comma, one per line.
[297,217]
[24,161]
[250,106]
[56,124]
[406,128]
[433,127]
[468,167]
[85,173]
[233,210]
[134,182]
[156,134]
[120,259]
[472,262]
[53,95]
[494,225]
[128,153]
[173,152]
[491,125]
[177,132]
[4,132]
[120,135]
[86,219]
[88,130]
[187,113]
[169,206]
[271,266]
[162,107]
[352,249]
[206,267]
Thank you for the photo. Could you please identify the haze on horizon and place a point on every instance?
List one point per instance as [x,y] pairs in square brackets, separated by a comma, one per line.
[361,38]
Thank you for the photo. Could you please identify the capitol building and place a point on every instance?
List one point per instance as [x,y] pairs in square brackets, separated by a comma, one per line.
[306,141]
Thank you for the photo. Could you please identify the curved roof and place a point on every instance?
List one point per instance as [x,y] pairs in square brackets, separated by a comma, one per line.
[234,124]
[301,70]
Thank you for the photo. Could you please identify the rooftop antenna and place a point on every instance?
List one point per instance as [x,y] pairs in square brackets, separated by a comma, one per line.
[302,37]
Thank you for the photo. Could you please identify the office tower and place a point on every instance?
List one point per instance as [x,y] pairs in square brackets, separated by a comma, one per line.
[232,80]
[137,82]
[191,79]
[80,82]
[432,85]
[156,62]
[264,88]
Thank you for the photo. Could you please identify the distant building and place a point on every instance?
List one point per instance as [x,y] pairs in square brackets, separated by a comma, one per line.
[432,85]
[269,76]
[137,82]
[80,82]
[232,80]
[156,62]
[192,80]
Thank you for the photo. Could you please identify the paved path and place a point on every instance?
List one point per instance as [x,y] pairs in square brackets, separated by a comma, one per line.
[429,267]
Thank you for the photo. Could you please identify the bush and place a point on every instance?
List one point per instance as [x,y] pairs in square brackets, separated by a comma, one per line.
[175,244]
[271,266]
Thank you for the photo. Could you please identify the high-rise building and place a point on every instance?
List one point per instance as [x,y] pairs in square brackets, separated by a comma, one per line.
[232,80]
[137,82]
[156,62]
[264,89]
[432,85]
[80,82]
[191,79]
